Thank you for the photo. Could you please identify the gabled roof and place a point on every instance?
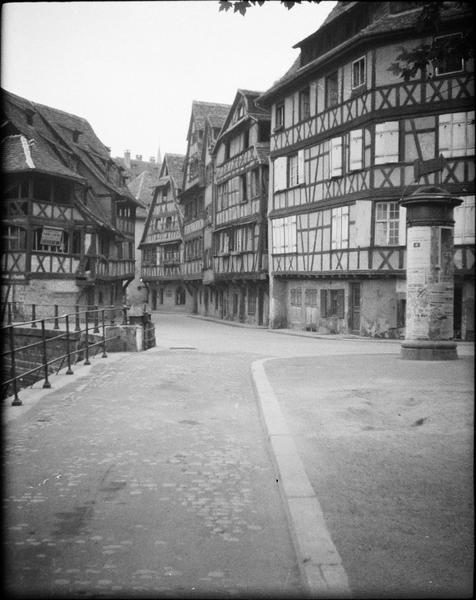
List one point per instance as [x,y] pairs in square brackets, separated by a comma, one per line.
[215,112]
[252,111]
[63,139]
[173,165]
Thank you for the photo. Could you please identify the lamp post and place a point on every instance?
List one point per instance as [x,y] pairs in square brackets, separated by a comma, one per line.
[430,280]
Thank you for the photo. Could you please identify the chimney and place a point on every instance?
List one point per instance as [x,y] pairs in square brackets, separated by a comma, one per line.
[127,159]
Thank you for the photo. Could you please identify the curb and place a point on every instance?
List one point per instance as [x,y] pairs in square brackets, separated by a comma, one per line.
[319,562]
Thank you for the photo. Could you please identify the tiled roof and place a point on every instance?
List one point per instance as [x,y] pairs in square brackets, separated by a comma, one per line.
[216,113]
[54,132]
[386,23]
[18,154]
[142,188]
[175,164]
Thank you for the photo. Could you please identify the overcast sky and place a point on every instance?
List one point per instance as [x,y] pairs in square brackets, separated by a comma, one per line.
[132,69]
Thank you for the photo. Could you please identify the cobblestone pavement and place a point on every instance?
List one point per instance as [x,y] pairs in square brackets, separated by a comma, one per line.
[150,477]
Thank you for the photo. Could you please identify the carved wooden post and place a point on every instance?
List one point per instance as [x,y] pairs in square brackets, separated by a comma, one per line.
[430,282]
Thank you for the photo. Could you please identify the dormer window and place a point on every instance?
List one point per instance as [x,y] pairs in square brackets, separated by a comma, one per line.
[29,116]
[76,134]
[240,111]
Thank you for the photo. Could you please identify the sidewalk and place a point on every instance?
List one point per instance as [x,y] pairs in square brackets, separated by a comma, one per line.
[383,447]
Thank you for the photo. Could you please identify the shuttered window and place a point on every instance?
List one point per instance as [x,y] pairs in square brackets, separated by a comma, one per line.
[456,134]
[340,227]
[386,142]
[464,216]
[284,235]
[355,150]
[280,173]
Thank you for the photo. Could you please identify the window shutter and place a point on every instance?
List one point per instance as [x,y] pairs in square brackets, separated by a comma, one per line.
[301,175]
[355,150]
[470,133]
[445,135]
[323,308]
[340,304]
[280,173]
[402,226]
[336,157]
[291,234]
[386,142]
[345,227]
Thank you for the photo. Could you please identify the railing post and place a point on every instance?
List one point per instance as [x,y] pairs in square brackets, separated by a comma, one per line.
[33,315]
[47,384]
[76,310]
[16,400]
[69,371]
[56,325]
[96,319]
[104,355]
[86,362]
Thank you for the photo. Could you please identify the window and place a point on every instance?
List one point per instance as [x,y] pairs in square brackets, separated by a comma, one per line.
[386,142]
[304,105]
[42,189]
[331,90]
[103,246]
[456,134]
[332,303]
[296,297]
[387,222]
[264,131]
[358,72]
[14,238]
[293,170]
[51,239]
[310,297]
[246,139]
[464,216]
[289,171]
[76,242]
[279,115]
[355,150]
[254,188]
[450,59]
[336,157]
[243,189]
[340,227]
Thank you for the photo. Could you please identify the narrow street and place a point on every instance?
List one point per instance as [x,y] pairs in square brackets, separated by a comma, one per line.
[152,476]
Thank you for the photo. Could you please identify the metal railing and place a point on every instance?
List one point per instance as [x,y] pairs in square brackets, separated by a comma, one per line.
[85,329]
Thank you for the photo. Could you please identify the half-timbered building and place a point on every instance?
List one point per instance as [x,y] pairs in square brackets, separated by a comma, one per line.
[68,217]
[161,244]
[192,198]
[240,250]
[349,139]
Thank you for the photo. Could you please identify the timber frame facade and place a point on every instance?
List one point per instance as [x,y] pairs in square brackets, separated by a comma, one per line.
[68,217]
[195,214]
[349,139]
[161,244]
[239,282]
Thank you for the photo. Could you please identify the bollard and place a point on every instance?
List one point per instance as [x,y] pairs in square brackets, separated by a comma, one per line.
[96,319]
[47,384]
[16,400]
[86,362]
[56,325]
[68,348]
[76,310]
[104,355]
[33,315]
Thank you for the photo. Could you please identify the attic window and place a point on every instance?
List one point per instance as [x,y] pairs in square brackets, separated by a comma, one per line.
[240,111]
[76,134]
[29,116]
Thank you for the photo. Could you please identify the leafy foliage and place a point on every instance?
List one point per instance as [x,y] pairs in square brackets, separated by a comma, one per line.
[242,6]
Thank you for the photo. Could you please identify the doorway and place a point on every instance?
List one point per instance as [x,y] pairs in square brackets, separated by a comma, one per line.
[354,307]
